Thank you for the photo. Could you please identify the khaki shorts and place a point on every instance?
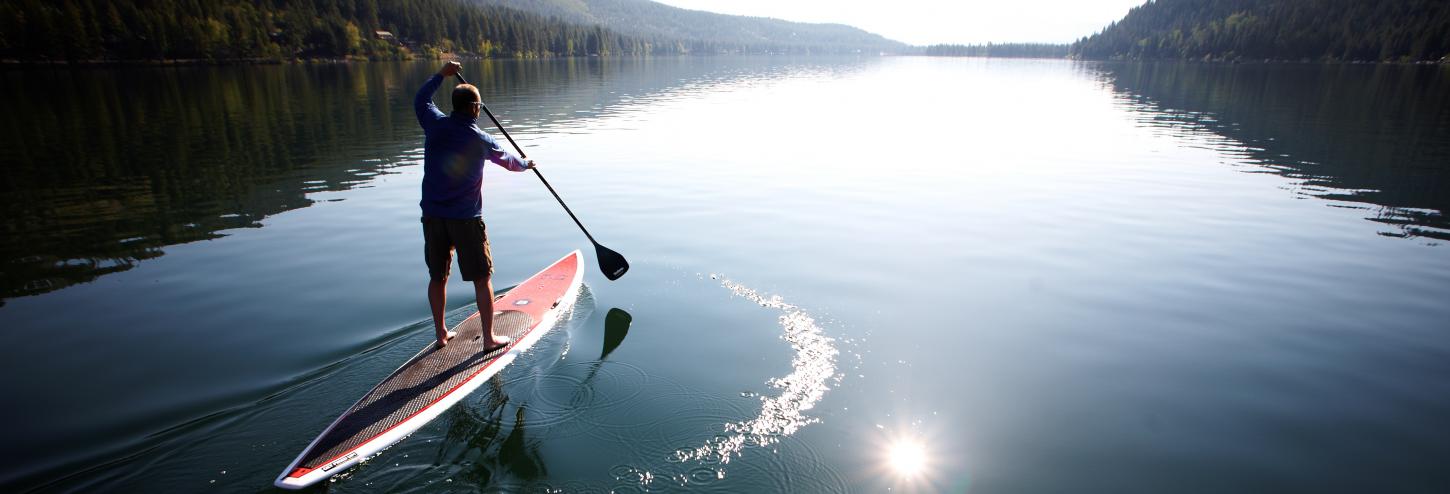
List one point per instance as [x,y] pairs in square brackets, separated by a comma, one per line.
[441,236]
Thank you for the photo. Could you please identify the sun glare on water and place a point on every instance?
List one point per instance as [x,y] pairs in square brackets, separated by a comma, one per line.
[907,458]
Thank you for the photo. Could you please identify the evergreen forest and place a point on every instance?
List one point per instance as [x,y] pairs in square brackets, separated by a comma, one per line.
[1301,30]
[276,30]
[653,19]
[221,30]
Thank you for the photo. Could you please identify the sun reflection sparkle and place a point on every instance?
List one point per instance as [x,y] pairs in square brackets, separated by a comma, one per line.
[908,458]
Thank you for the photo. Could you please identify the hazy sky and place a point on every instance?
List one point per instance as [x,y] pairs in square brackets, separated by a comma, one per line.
[923,22]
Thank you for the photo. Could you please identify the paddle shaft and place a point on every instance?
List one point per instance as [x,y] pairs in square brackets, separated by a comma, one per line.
[536,170]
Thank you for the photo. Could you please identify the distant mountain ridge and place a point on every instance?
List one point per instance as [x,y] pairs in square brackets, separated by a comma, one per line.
[1320,30]
[647,19]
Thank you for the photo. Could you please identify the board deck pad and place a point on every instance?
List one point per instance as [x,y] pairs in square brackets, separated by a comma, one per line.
[435,379]
[415,386]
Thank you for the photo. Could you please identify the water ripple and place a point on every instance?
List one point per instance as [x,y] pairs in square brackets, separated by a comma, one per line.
[781,415]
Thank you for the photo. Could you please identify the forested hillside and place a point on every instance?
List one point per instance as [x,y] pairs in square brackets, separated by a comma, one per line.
[648,19]
[1321,30]
[86,30]
[283,29]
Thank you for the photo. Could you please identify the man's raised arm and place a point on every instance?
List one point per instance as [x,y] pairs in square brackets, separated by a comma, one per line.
[423,101]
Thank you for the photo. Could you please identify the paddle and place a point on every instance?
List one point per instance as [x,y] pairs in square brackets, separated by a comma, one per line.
[611,263]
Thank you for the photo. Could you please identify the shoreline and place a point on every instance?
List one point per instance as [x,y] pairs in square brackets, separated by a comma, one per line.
[283,61]
[8,63]
[219,62]
[1445,62]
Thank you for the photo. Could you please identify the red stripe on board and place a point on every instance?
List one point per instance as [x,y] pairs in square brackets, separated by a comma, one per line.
[299,472]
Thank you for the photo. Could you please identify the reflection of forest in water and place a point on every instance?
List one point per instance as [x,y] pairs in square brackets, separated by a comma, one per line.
[1375,137]
[105,166]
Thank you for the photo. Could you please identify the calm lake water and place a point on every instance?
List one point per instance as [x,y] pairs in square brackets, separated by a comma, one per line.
[992,276]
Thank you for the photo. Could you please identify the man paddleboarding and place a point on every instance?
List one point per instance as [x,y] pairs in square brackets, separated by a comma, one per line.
[454,154]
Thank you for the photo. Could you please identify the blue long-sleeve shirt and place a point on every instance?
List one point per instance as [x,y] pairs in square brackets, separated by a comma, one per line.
[454,150]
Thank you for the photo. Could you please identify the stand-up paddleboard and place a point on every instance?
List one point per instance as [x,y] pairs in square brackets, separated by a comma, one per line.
[435,379]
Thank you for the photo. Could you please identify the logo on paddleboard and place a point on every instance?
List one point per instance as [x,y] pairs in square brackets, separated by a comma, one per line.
[521,302]
[340,461]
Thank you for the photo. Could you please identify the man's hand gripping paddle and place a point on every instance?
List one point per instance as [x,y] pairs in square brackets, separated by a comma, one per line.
[611,263]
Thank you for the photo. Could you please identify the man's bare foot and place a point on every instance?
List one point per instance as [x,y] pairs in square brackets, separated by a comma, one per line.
[497,343]
[442,342]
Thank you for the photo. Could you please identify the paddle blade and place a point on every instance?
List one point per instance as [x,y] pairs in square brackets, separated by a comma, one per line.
[610,262]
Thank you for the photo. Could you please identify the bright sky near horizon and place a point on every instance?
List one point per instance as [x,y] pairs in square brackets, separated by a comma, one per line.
[925,22]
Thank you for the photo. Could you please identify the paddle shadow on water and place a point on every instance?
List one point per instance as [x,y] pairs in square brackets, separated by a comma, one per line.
[616,327]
